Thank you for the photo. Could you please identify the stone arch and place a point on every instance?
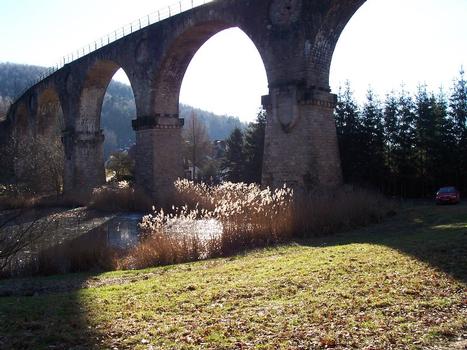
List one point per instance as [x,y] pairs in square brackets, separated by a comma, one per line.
[84,141]
[49,128]
[21,123]
[49,116]
[96,82]
[322,51]
[178,57]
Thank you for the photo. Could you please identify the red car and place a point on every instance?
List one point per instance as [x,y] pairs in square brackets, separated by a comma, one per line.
[448,195]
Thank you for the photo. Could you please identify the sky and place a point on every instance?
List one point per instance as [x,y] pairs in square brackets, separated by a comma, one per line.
[386,43]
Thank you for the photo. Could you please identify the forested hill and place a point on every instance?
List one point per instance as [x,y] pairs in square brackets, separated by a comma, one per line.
[16,77]
[118,109]
[13,79]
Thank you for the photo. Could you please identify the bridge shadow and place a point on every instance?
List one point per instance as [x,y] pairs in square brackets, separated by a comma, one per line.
[52,312]
[29,322]
[434,235]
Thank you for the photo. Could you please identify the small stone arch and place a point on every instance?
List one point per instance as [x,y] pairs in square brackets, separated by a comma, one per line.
[21,123]
[49,118]
[84,139]
[96,82]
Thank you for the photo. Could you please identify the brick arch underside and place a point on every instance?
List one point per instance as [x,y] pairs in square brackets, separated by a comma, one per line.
[326,39]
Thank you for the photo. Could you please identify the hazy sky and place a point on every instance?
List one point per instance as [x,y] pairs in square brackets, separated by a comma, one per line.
[387,42]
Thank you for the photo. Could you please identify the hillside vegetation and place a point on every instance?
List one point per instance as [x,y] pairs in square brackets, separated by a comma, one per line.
[399,285]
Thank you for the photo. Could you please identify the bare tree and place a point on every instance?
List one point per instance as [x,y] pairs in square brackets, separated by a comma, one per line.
[197,144]
[38,164]
[17,233]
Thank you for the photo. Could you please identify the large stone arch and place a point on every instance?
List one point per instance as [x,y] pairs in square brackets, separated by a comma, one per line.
[47,150]
[180,53]
[21,132]
[158,133]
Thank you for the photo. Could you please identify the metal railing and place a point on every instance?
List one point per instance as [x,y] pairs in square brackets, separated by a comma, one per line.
[140,23]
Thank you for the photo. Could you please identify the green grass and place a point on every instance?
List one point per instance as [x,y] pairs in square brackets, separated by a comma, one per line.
[399,285]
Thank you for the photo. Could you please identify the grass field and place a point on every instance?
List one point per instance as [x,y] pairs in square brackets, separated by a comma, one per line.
[398,285]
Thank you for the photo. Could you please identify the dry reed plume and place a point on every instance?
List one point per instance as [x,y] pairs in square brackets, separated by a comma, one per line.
[237,216]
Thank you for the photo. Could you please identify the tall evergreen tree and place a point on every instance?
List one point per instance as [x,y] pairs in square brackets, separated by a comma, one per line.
[405,154]
[445,159]
[425,139]
[458,106]
[458,114]
[254,148]
[391,141]
[372,141]
[234,162]
[349,133]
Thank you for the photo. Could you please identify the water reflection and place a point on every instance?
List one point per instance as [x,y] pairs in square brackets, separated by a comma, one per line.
[204,229]
[123,230]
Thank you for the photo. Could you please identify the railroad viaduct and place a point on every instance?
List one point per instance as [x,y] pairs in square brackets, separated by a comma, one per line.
[296,40]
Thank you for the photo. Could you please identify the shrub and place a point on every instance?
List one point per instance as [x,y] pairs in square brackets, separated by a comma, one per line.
[119,196]
[344,209]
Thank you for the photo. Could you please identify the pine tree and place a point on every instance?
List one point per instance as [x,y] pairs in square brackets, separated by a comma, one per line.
[458,107]
[444,159]
[406,139]
[458,114]
[349,134]
[254,148]
[234,161]
[372,141]
[391,141]
[425,134]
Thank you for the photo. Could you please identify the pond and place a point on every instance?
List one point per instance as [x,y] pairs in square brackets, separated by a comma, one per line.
[78,245]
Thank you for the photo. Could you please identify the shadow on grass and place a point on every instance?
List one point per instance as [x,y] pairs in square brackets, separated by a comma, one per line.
[436,235]
[49,312]
[51,321]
